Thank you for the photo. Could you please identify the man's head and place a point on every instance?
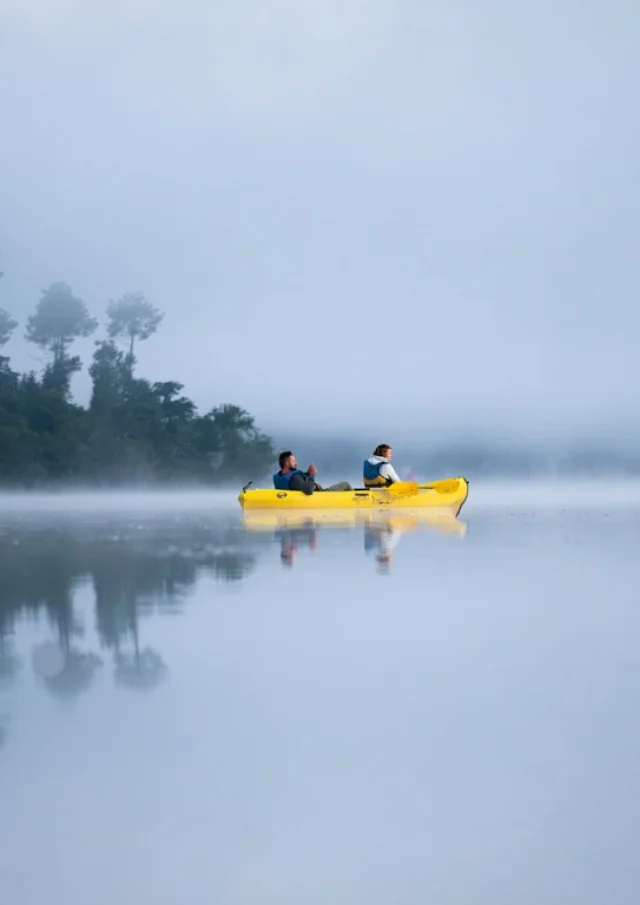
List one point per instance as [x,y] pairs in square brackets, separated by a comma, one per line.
[287,461]
[383,450]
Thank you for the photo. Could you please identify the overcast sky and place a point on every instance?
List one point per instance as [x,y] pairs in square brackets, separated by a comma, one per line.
[388,214]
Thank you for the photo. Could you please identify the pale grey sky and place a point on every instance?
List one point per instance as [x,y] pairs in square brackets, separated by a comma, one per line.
[382,215]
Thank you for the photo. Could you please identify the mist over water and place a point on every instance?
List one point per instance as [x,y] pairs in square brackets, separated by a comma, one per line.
[254,708]
[487,493]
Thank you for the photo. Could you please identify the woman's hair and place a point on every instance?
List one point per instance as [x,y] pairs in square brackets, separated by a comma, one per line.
[381,450]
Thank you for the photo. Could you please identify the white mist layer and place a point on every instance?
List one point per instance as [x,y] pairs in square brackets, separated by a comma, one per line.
[485,493]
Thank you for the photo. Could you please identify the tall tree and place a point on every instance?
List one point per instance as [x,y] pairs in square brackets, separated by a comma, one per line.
[7,326]
[134,318]
[58,373]
[59,319]
[110,376]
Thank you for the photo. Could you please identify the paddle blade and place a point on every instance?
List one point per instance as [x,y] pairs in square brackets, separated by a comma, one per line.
[403,488]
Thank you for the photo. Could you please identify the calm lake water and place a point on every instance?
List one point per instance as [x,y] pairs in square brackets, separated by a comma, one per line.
[197,708]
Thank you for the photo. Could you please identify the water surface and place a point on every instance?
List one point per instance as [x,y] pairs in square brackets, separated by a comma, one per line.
[197,707]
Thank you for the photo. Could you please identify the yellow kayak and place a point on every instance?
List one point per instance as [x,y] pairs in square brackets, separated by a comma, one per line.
[447,496]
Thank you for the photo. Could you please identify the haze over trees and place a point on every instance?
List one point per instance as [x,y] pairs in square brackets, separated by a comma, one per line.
[133,430]
[59,318]
[7,326]
[133,318]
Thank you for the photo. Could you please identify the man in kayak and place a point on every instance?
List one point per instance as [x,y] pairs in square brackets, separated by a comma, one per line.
[290,477]
[377,469]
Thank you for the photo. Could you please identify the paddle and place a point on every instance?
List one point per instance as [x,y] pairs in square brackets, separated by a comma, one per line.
[403,488]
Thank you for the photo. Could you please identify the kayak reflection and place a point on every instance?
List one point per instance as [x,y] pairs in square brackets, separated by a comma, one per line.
[382,530]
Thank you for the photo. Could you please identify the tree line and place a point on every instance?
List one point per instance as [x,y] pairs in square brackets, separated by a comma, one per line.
[133,430]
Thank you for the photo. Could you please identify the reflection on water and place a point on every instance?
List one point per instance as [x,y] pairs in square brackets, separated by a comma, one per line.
[132,566]
[9,663]
[135,567]
[216,707]
[381,531]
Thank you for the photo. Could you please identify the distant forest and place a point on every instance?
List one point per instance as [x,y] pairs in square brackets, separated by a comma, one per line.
[439,457]
[133,431]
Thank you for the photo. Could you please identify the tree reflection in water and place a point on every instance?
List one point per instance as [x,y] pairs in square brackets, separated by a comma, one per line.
[140,670]
[134,566]
[9,663]
[76,676]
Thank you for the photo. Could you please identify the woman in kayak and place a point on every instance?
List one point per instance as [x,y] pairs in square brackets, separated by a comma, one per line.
[377,469]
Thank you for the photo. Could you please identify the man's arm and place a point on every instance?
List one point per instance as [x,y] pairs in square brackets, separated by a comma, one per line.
[302,482]
[388,471]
